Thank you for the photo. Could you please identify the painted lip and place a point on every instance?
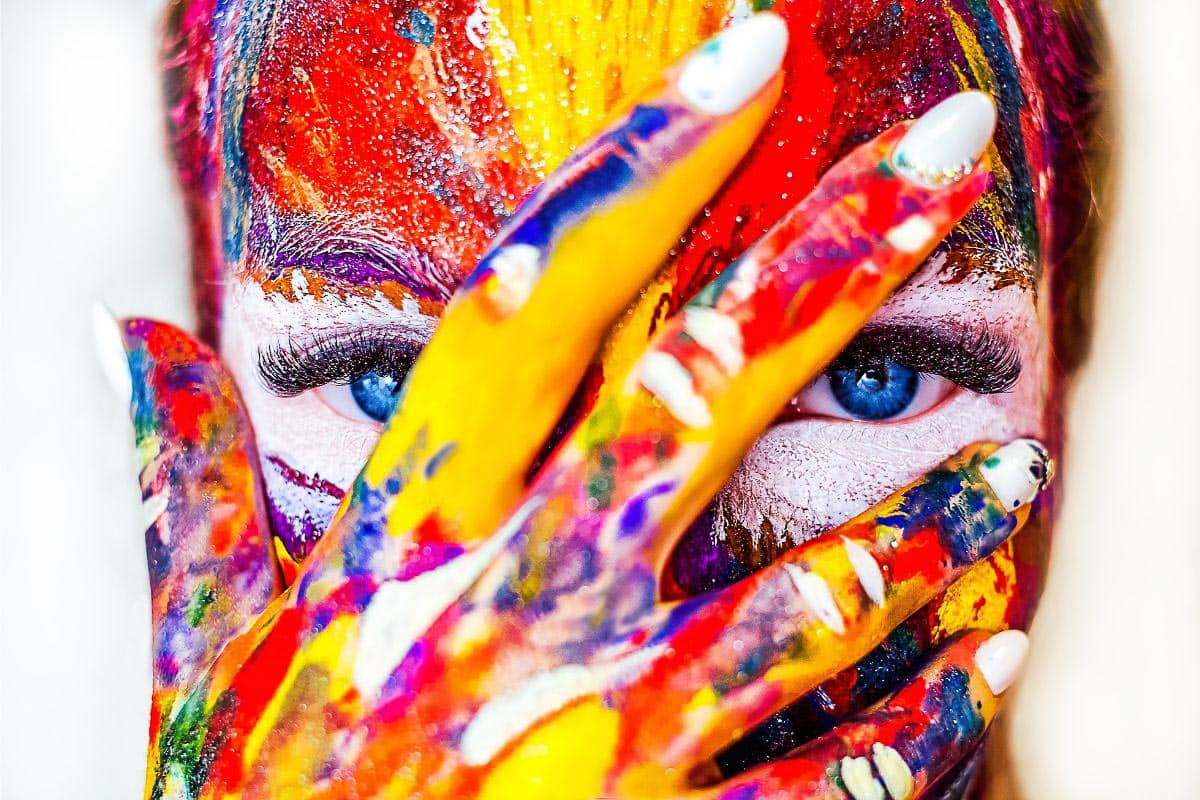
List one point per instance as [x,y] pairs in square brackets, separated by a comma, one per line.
[299,505]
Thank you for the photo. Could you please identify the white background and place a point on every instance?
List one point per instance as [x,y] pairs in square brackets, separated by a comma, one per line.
[1109,705]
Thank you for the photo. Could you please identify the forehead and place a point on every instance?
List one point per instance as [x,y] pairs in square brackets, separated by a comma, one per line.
[419,126]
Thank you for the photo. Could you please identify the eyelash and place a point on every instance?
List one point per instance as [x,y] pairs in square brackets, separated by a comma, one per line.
[975,358]
[341,358]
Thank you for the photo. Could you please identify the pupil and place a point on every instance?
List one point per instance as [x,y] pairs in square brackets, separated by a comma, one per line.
[376,394]
[874,392]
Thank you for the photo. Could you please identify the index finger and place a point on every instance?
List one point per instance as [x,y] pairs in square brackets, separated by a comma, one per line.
[516,339]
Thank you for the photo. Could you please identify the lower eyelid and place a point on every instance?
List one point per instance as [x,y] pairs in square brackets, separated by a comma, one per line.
[816,401]
[958,419]
[338,399]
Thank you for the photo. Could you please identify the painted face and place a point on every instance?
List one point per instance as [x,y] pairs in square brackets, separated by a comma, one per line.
[346,163]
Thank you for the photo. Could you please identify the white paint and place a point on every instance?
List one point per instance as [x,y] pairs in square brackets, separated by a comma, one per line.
[1017,472]
[745,278]
[664,377]
[860,781]
[817,596]
[911,236]
[894,770]
[867,569]
[504,718]
[153,507]
[478,27]
[517,268]
[1000,658]
[717,333]
[268,316]
[729,69]
[945,143]
[401,611]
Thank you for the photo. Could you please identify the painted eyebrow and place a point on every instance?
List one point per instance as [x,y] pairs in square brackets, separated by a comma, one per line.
[346,253]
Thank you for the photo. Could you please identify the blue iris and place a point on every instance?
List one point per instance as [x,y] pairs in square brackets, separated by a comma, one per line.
[376,394]
[875,391]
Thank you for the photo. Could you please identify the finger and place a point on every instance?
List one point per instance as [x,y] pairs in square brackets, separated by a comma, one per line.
[740,654]
[208,544]
[898,749]
[981,599]
[660,442]
[517,338]
[836,699]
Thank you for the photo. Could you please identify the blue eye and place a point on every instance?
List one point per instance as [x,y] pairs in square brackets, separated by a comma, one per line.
[876,392]
[376,394]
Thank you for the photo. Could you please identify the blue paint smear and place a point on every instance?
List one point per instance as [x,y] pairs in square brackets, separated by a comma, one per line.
[633,517]
[956,722]
[969,528]
[420,28]
[439,458]
[549,213]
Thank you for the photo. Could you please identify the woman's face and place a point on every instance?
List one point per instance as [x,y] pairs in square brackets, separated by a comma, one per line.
[358,156]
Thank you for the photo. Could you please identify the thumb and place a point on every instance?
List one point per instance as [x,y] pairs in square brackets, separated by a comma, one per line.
[208,544]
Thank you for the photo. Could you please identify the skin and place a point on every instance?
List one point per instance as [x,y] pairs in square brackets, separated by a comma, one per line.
[299,149]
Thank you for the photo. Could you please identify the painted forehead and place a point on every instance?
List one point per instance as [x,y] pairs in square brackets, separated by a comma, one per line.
[376,143]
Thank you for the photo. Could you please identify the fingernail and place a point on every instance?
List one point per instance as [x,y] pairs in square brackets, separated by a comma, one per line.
[110,352]
[734,65]
[1017,472]
[1000,658]
[944,145]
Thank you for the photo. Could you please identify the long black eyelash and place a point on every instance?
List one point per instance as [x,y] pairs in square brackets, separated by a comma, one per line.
[297,365]
[977,357]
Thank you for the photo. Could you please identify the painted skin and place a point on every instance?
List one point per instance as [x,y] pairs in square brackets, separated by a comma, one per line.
[405,658]
[287,170]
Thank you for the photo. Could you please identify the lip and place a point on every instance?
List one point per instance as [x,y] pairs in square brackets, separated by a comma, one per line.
[300,506]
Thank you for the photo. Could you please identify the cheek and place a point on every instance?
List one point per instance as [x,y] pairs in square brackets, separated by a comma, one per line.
[802,478]
[309,454]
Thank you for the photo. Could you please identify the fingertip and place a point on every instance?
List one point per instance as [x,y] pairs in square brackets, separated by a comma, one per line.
[111,352]
[1018,472]
[946,143]
[725,72]
[1000,659]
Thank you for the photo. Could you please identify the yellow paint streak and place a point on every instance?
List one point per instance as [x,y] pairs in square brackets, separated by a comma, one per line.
[546,765]
[333,649]
[982,78]
[993,580]
[565,66]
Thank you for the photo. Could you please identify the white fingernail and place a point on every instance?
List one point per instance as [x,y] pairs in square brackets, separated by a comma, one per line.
[896,774]
[734,65]
[1017,472]
[944,145]
[867,569]
[663,376]
[1000,658]
[860,781]
[110,352]
[818,597]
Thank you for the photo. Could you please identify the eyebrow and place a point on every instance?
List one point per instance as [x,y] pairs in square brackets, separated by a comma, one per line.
[346,253]
[981,248]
